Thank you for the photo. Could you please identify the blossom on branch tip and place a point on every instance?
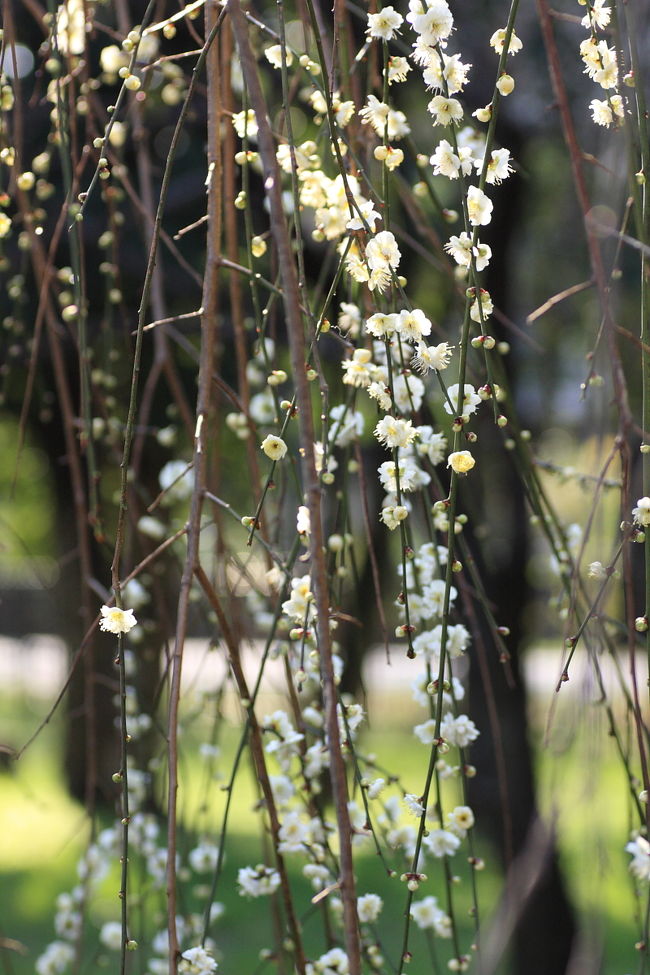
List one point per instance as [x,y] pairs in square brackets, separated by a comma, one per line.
[115,620]
[274,447]
[461,461]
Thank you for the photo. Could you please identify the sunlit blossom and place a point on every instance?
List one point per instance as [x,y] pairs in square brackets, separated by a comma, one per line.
[115,620]
[385,24]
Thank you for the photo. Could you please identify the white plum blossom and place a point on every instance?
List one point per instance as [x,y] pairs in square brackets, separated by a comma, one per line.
[382,325]
[365,219]
[600,62]
[384,119]
[445,110]
[427,914]
[318,875]
[413,325]
[479,207]
[450,74]
[385,24]
[283,789]
[369,907]
[316,759]
[413,804]
[640,864]
[459,820]
[55,959]
[299,605]
[388,472]
[345,425]
[441,843]
[408,393]
[499,167]
[431,445]
[429,357]
[393,514]
[375,788]
[274,447]
[498,40]
[117,621]
[444,160]
[333,962]
[481,309]
[463,250]
[382,251]
[434,23]
[111,935]
[402,838]
[598,15]
[273,55]
[459,731]
[425,732]
[203,858]
[245,123]
[471,400]
[197,961]
[608,111]
[354,716]
[294,834]
[303,523]
[398,69]
[641,513]
[394,432]
[380,392]
[257,881]
[349,319]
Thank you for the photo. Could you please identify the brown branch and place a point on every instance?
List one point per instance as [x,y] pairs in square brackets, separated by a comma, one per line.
[595,257]
[556,299]
[259,761]
[272,183]
[203,408]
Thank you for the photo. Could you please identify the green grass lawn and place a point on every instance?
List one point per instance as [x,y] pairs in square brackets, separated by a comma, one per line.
[42,834]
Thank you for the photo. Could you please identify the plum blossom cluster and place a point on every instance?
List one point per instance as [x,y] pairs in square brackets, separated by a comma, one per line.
[147,851]
[395,393]
[601,65]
